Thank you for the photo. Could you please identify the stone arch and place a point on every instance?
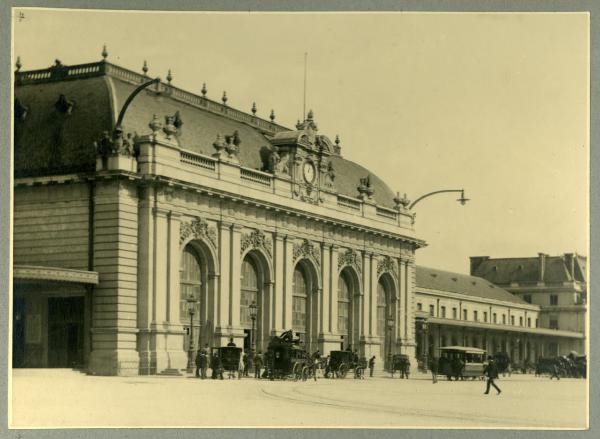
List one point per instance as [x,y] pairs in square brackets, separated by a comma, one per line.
[204,321]
[264,272]
[348,278]
[312,282]
[387,286]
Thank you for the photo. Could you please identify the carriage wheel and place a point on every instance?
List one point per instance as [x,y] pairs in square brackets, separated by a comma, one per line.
[342,370]
[305,373]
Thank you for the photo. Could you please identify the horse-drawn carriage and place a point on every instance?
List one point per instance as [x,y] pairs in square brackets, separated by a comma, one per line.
[226,359]
[340,362]
[285,358]
[571,366]
[400,363]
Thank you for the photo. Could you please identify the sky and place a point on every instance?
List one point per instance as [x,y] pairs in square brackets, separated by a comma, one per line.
[495,104]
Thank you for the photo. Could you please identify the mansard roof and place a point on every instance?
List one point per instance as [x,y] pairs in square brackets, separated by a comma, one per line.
[61,111]
[543,268]
[446,281]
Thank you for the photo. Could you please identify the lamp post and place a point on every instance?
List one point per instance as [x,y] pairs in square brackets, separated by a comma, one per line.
[390,325]
[253,309]
[462,200]
[191,305]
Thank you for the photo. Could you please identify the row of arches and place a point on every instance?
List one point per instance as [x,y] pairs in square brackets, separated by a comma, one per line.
[254,283]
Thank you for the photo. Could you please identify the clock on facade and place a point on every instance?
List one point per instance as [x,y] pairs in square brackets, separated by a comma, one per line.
[309,172]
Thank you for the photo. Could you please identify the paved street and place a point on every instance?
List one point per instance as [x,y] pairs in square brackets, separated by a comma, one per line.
[59,397]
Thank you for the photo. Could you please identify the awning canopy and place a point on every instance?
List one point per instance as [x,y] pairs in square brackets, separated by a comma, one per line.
[504,328]
[57,274]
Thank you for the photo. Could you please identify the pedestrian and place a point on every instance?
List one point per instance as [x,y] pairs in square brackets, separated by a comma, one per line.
[405,368]
[231,343]
[258,363]
[371,365]
[204,363]
[433,366]
[555,373]
[491,372]
[198,363]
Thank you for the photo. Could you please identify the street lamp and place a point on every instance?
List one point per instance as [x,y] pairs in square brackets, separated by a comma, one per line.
[390,325]
[462,200]
[253,309]
[191,306]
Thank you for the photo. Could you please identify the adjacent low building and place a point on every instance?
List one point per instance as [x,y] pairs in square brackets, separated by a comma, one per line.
[454,309]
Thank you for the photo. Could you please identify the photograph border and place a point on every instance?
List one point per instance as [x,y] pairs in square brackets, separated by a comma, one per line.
[295,6]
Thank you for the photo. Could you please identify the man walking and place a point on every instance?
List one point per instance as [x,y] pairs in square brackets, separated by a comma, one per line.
[491,371]
[434,366]
[204,361]
[555,373]
[258,364]
[371,365]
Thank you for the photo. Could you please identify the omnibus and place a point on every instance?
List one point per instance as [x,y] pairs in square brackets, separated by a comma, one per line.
[462,361]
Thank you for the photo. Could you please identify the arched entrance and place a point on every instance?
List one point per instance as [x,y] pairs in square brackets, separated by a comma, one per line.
[197,279]
[347,324]
[190,286]
[305,312]
[385,315]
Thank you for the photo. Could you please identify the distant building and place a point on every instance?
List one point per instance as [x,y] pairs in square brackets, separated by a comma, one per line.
[557,284]
[454,309]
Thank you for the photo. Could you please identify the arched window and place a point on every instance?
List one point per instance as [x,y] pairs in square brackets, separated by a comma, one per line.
[382,313]
[344,298]
[249,290]
[190,282]
[299,300]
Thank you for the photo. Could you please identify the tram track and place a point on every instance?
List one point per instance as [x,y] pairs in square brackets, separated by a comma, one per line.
[301,395]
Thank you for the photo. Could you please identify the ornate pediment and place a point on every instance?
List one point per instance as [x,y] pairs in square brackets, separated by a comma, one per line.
[386,265]
[258,240]
[350,258]
[199,229]
[307,249]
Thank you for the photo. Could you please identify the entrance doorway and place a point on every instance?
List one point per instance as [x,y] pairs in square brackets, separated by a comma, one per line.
[18,332]
[65,331]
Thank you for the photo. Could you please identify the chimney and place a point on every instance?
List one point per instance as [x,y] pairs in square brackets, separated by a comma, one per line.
[541,266]
[570,263]
[476,261]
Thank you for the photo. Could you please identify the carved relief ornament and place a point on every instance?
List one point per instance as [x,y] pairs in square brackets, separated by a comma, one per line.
[256,239]
[351,258]
[198,228]
[307,249]
[386,264]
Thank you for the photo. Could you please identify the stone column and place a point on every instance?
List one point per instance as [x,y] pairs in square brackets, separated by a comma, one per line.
[161,246]
[334,293]
[278,296]
[288,245]
[223,324]
[373,298]
[173,266]
[325,326]
[236,275]
[146,314]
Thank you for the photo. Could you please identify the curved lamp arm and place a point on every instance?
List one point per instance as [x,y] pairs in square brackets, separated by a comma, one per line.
[130,98]
[462,198]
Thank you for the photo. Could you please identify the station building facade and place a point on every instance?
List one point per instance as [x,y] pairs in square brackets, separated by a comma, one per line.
[146,217]
[136,202]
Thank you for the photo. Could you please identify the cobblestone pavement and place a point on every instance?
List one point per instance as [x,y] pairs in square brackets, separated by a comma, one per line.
[65,398]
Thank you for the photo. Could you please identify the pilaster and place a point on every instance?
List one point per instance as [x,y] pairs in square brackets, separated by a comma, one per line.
[278,293]
[223,300]
[236,274]
[325,321]
[288,280]
[334,278]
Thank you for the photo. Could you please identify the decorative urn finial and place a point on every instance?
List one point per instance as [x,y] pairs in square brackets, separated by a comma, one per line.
[155,124]
[18,64]
[337,140]
[145,68]
[401,201]
[254,108]
[224,98]
[204,90]
[310,115]
[169,77]
[272,116]
[104,53]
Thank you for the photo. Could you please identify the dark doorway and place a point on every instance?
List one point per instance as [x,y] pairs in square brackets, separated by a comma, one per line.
[18,332]
[65,332]
[247,340]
